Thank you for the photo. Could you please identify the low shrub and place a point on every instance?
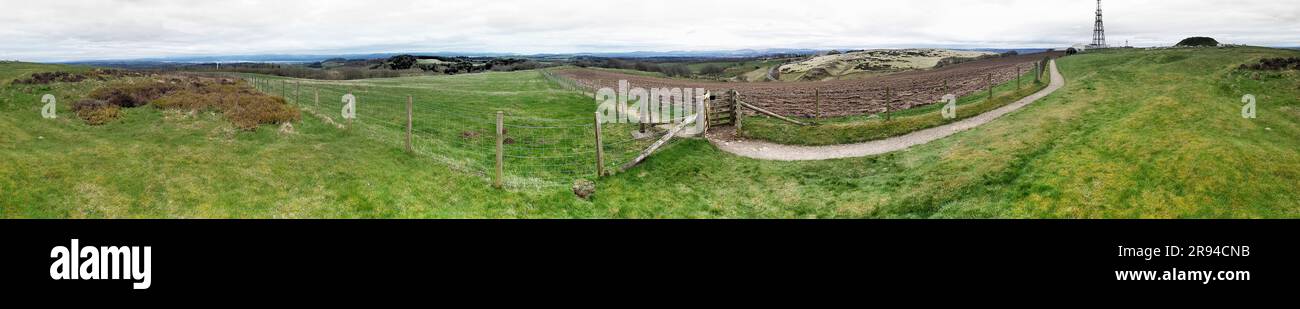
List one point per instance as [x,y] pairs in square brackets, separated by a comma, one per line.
[241,105]
[134,94]
[1274,64]
[43,78]
[245,108]
[96,112]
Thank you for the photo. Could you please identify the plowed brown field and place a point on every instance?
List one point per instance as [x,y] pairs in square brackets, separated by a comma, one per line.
[840,97]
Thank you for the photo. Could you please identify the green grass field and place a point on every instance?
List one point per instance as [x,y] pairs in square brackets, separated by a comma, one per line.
[1134,134]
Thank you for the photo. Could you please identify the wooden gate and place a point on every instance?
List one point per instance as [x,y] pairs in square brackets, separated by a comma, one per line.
[722,110]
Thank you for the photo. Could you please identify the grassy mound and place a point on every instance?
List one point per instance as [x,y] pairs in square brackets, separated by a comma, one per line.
[1198,41]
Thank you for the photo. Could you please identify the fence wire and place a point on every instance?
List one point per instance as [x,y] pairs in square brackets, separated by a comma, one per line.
[537,152]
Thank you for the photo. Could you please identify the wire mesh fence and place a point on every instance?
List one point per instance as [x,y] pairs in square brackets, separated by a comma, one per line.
[537,149]
[536,152]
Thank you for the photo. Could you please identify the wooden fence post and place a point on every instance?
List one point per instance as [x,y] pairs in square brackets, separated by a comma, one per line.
[501,142]
[737,114]
[410,101]
[354,110]
[645,117]
[817,102]
[888,97]
[1038,72]
[600,150]
[989,81]
[1017,77]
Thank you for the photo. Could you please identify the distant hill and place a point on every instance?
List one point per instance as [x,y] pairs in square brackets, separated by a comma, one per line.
[286,58]
[866,63]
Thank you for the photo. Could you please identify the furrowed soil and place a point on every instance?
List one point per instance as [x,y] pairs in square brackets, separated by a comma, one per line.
[841,97]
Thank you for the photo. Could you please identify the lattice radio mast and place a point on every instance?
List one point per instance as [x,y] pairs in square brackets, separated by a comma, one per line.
[1098,31]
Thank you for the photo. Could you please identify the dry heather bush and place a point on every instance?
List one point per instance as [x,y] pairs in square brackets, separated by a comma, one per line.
[243,107]
[132,95]
[96,112]
[42,78]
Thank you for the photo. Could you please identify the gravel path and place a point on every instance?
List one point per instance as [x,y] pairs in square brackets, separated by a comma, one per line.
[727,141]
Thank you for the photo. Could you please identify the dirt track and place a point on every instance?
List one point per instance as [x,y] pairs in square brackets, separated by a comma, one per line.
[841,97]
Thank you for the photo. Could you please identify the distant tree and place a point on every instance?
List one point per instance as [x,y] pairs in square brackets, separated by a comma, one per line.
[402,62]
[1010,53]
[646,67]
[1071,51]
[1198,41]
[619,64]
[711,70]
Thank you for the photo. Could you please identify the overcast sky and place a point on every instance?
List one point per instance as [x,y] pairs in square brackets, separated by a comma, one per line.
[61,30]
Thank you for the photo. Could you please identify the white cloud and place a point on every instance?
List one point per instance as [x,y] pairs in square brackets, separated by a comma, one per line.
[108,29]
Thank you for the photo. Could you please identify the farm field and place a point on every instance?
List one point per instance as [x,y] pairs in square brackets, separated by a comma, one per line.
[1134,134]
[862,128]
[843,97]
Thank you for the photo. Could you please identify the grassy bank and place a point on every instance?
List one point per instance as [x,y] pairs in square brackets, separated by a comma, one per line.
[857,129]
